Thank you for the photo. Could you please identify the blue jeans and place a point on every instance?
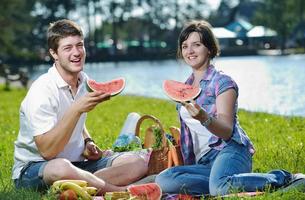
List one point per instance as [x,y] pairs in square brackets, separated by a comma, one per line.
[31,176]
[219,173]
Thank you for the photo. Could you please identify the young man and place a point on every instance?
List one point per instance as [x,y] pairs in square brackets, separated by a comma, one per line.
[53,135]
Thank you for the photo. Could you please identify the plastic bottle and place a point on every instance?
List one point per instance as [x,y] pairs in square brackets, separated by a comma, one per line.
[129,127]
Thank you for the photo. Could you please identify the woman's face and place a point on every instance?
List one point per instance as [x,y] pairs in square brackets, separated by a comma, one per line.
[194,52]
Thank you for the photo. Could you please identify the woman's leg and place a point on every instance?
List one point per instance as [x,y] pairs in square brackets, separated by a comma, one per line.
[188,179]
[231,171]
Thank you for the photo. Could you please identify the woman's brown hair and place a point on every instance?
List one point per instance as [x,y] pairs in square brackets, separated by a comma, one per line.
[208,39]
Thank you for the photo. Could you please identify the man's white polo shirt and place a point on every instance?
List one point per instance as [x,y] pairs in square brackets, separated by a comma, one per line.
[44,105]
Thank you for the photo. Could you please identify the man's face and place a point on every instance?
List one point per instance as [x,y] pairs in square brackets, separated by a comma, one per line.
[70,55]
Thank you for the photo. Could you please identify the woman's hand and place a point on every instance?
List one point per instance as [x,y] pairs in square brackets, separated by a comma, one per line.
[195,111]
[222,125]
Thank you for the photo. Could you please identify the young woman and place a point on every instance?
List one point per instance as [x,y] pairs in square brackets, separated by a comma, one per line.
[217,152]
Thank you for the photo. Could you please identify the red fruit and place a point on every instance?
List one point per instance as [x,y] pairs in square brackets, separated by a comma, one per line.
[149,191]
[112,87]
[179,91]
[68,195]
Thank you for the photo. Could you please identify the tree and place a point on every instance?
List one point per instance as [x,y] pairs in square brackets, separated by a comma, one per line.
[45,12]
[16,23]
[282,16]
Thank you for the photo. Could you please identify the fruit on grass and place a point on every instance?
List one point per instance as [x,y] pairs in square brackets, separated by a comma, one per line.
[180,92]
[149,191]
[112,87]
[80,191]
[91,190]
[81,183]
[68,195]
[56,185]
[116,195]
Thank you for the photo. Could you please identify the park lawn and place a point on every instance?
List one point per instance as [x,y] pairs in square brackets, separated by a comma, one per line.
[279,140]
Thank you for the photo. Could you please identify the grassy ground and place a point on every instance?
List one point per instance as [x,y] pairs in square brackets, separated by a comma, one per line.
[279,140]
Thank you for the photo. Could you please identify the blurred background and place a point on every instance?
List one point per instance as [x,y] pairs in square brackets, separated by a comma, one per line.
[262,44]
[148,29]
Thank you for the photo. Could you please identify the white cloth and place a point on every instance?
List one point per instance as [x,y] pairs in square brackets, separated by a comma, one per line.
[43,107]
[200,134]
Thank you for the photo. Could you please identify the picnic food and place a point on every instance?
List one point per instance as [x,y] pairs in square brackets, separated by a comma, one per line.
[56,185]
[81,192]
[68,195]
[68,189]
[112,87]
[116,195]
[172,154]
[91,190]
[180,92]
[149,191]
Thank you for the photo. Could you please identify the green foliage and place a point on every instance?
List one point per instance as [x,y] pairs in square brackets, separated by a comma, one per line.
[279,140]
[15,22]
[127,143]
[281,15]
[158,137]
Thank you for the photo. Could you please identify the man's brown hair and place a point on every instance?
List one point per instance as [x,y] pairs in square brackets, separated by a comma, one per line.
[61,29]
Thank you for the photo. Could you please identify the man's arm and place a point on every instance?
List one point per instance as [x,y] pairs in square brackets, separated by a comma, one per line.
[92,151]
[53,142]
[86,133]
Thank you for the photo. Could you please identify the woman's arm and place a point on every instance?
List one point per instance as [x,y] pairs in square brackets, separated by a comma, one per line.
[222,126]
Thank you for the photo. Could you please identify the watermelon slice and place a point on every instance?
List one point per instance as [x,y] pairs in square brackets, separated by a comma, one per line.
[148,191]
[112,87]
[180,92]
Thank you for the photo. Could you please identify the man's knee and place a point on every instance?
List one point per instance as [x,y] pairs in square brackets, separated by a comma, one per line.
[129,158]
[57,169]
[133,161]
[139,164]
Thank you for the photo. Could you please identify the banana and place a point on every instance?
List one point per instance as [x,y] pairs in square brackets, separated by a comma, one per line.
[81,183]
[117,195]
[91,190]
[81,192]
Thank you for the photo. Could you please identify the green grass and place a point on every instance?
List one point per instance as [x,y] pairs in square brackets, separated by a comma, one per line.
[279,140]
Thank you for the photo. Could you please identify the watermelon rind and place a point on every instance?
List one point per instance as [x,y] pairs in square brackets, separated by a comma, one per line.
[194,91]
[90,89]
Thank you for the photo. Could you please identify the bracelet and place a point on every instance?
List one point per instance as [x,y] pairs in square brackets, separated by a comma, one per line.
[207,122]
[88,140]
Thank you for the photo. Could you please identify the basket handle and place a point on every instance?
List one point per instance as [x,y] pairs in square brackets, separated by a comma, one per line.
[157,121]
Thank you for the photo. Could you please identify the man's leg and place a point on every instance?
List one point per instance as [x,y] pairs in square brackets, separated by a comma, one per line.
[59,169]
[31,177]
[124,169]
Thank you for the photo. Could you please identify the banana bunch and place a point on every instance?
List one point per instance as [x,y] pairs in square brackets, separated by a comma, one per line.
[119,196]
[80,187]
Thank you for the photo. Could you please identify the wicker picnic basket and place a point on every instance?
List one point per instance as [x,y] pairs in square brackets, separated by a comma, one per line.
[159,157]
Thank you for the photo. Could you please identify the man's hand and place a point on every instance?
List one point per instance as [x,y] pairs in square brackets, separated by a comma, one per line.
[92,151]
[90,100]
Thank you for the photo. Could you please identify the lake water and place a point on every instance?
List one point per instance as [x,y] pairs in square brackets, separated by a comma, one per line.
[273,84]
